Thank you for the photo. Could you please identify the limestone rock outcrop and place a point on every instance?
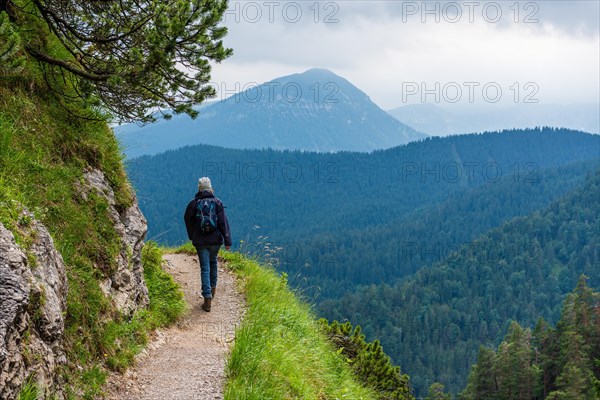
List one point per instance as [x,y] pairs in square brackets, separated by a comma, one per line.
[126,287]
[33,293]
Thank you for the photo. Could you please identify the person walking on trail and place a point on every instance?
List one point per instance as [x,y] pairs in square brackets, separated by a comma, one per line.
[208,229]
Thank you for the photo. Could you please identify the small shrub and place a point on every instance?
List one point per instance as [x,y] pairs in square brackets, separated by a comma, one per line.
[370,364]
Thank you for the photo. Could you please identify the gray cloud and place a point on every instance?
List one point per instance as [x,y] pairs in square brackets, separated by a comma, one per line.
[572,17]
[379,45]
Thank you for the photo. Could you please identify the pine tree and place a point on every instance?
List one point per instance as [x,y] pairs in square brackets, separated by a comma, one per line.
[545,347]
[436,392]
[125,57]
[578,333]
[370,363]
[523,374]
[550,364]
[485,385]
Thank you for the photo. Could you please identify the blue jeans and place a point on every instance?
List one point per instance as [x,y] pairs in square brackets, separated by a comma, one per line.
[208,268]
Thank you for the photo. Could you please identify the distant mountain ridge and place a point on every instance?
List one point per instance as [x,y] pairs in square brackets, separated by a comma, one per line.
[434,120]
[395,181]
[312,111]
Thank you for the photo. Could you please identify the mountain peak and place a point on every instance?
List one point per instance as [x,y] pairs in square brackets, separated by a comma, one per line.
[315,110]
[313,75]
[319,72]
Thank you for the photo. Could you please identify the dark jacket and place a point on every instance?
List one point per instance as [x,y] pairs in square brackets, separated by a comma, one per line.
[217,237]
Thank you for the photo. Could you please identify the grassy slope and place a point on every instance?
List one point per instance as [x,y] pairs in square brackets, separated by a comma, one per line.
[43,154]
[280,352]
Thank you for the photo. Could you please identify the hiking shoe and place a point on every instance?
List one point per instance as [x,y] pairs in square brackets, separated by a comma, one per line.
[213,291]
[206,305]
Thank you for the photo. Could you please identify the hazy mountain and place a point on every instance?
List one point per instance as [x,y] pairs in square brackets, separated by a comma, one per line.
[434,120]
[315,110]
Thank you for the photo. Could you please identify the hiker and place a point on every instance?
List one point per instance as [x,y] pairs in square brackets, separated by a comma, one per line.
[208,229]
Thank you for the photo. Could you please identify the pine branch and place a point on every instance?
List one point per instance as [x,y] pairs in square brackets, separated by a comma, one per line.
[66,65]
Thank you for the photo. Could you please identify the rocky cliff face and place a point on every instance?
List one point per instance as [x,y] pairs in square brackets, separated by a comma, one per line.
[33,291]
[32,307]
[126,287]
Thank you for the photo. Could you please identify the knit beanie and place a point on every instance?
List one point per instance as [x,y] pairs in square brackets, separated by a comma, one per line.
[204,184]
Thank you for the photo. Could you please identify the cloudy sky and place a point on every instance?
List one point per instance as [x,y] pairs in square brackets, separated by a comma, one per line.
[493,54]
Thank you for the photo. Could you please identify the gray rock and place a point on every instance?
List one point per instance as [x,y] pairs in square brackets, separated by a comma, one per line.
[33,292]
[32,308]
[126,287]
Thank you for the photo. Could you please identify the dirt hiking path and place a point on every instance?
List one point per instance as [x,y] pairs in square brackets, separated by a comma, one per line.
[187,361]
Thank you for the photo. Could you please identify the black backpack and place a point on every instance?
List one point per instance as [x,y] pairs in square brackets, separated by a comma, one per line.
[206,215]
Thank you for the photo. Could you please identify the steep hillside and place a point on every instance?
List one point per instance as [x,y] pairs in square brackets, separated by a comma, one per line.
[313,111]
[282,352]
[77,299]
[402,245]
[434,322]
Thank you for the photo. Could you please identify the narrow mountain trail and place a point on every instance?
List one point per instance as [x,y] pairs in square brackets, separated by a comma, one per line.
[186,361]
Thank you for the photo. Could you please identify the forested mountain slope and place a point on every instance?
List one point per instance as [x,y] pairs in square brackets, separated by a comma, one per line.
[393,211]
[327,265]
[434,322]
[292,195]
